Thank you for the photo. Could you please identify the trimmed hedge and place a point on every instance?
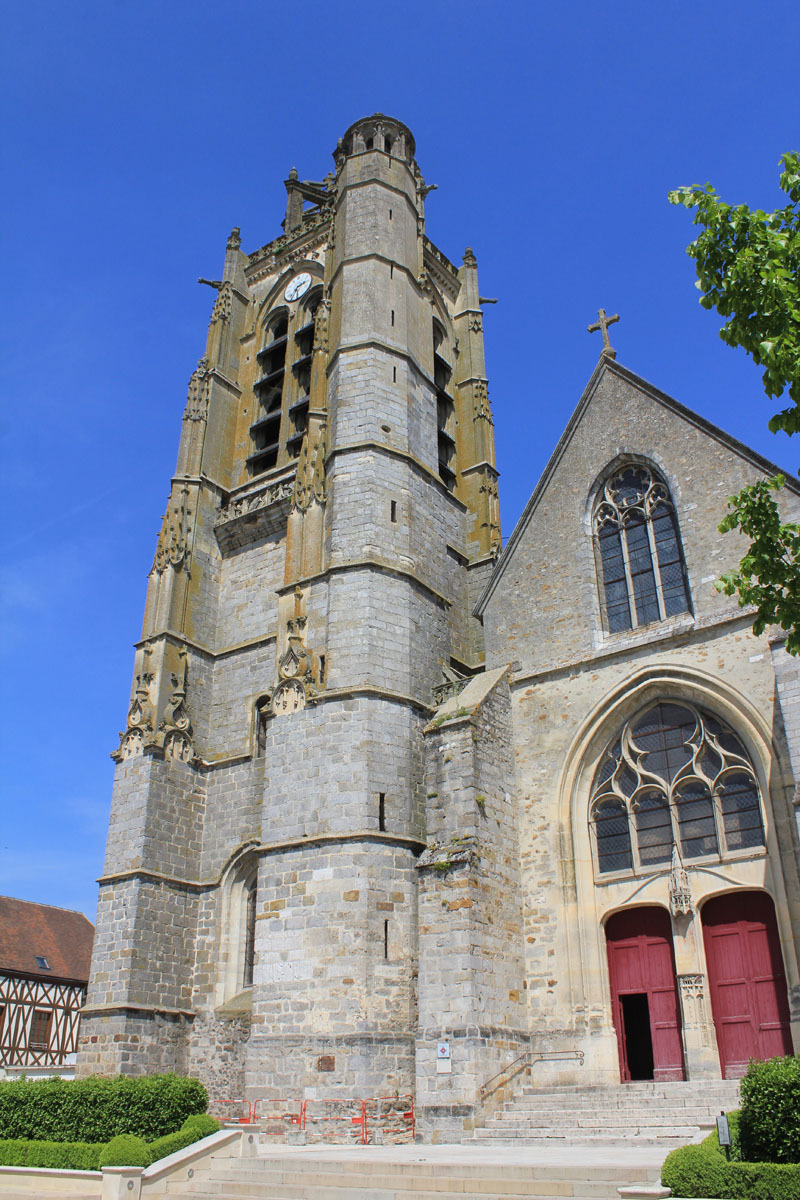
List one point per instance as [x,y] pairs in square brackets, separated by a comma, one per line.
[770,1112]
[124,1150]
[64,1156]
[703,1171]
[98,1109]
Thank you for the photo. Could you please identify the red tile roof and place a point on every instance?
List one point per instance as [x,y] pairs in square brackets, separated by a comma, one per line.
[60,935]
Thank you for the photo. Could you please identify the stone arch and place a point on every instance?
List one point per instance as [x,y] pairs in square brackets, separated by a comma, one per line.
[588,902]
[237,884]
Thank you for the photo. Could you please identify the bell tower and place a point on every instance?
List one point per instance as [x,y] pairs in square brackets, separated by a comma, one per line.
[331,523]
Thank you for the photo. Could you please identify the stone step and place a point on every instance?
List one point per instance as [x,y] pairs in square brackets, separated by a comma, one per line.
[691,1114]
[365,1189]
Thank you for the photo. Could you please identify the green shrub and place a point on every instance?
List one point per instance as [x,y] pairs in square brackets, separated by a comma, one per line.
[702,1171]
[13,1152]
[202,1124]
[193,1129]
[695,1171]
[98,1109]
[763,1181]
[171,1142]
[770,1114]
[126,1150]
[64,1156]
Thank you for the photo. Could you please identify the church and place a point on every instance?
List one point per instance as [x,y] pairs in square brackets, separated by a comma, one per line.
[397,807]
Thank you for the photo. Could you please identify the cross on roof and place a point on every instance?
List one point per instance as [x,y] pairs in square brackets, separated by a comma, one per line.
[603,325]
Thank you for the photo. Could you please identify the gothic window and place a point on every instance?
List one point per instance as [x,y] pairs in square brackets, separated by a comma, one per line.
[640,559]
[676,776]
[445,408]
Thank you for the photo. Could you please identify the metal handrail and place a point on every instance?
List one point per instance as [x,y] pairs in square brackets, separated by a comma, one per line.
[522,1062]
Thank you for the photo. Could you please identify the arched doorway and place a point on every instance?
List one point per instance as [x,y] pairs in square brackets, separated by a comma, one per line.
[644,995]
[746,980]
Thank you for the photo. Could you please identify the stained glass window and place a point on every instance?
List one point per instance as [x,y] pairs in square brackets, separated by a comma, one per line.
[676,776]
[641,568]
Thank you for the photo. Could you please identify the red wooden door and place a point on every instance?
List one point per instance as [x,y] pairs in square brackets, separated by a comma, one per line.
[746,980]
[644,996]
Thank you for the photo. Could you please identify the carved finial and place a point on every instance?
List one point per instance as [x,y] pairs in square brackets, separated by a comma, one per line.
[469,258]
[293,173]
[234,239]
[603,325]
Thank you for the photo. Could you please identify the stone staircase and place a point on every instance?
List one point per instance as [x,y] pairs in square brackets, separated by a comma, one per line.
[663,1114]
[413,1173]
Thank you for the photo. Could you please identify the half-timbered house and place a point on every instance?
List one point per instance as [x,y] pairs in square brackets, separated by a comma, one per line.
[45,954]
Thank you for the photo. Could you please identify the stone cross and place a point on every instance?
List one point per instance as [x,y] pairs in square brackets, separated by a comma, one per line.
[603,325]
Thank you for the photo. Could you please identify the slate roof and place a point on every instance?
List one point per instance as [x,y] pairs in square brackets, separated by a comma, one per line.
[60,935]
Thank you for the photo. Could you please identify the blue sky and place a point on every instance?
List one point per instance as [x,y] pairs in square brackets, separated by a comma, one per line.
[136,135]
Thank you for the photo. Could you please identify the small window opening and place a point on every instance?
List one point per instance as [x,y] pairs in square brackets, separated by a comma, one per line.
[40,1029]
[394,512]
[387,145]
[370,143]
[390,214]
[42,962]
[322,668]
[391,270]
[393,316]
[382,811]
[249,937]
[394,374]
[386,939]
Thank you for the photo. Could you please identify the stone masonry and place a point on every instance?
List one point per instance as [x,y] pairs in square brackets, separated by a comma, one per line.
[354,846]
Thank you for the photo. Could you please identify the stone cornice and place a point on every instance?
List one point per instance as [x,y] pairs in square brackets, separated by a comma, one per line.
[263,848]
[181,639]
[395,452]
[367,563]
[153,1010]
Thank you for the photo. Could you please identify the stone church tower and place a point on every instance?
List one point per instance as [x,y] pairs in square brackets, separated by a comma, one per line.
[331,523]
[397,812]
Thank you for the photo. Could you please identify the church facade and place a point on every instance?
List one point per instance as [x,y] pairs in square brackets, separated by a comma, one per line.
[393,807]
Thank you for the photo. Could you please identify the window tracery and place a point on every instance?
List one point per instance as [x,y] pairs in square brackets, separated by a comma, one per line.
[676,776]
[640,558]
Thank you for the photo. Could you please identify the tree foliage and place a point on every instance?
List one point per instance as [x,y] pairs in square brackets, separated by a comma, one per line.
[768,576]
[748,269]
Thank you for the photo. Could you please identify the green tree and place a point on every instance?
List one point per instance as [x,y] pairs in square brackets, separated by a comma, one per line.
[748,269]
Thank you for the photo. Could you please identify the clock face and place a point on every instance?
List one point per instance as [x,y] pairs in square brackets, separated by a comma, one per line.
[298,286]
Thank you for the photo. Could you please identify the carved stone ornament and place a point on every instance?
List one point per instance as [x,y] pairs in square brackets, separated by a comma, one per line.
[489,489]
[298,667]
[680,895]
[222,304]
[693,1001]
[176,727]
[253,501]
[197,399]
[139,725]
[480,395]
[453,683]
[176,529]
[692,985]
[234,239]
[289,697]
[321,323]
[476,323]
[311,484]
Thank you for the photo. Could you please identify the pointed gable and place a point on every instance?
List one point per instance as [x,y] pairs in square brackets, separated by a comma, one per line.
[542,604]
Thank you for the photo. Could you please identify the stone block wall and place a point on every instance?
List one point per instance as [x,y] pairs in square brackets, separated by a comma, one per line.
[471,983]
